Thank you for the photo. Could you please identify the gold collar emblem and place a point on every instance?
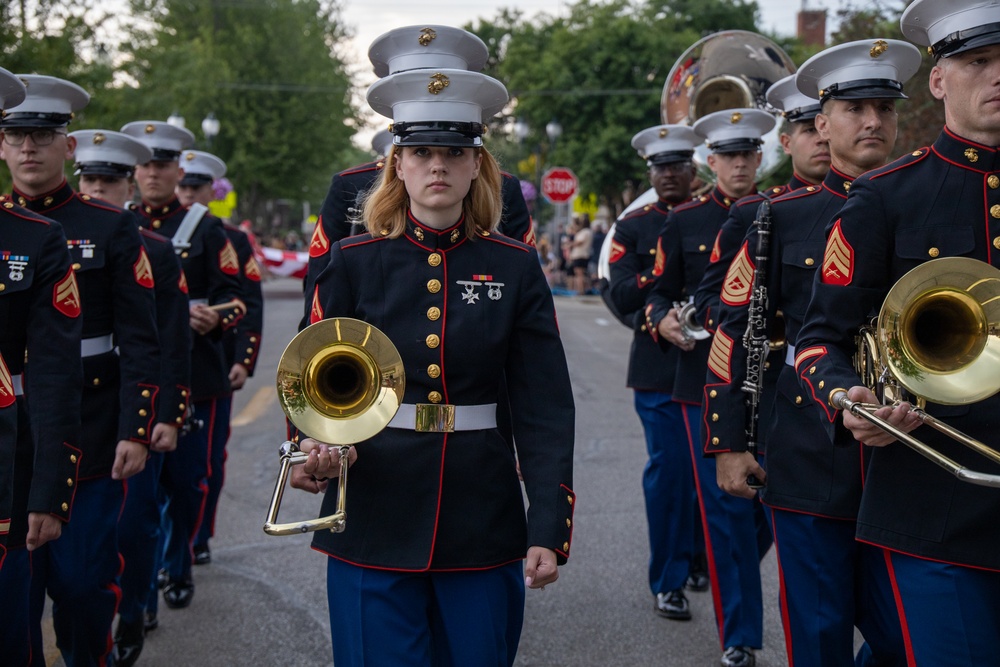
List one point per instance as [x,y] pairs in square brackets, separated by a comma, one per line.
[972,155]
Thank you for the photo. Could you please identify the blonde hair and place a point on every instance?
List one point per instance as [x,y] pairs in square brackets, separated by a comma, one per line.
[385,206]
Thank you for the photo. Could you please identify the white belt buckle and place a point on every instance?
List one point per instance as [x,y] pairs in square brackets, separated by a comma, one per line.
[434,418]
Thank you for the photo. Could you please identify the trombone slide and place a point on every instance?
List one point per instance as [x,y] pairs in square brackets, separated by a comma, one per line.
[291,456]
[840,401]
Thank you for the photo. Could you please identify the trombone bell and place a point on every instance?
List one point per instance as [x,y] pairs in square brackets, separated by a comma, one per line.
[341,381]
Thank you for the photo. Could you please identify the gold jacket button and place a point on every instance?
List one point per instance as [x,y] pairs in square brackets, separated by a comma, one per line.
[433,313]
[2,287]
[434,286]
[246,361]
[182,406]
[64,507]
[156,223]
[433,371]
[934,252]
[798,400]
[565,546]
[812,371]
[652,251]
[179,420]
[995,210]
[77,266]
[822,384]
[642,328]
[69,482]
[713,394]
[145,393]
[141,431]
[569,499]
[253,339]
[434,397]
[810,261]
[184,392]
[72,458]
[249,350]
[715,416]
[184,255]
[97,382]
[715,441]
[996,243]
[569,523]
[434,259]
[433,341]
[142,412]
[993,181]
[702,248]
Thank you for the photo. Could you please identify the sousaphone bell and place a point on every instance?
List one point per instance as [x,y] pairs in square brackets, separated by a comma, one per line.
[340,381]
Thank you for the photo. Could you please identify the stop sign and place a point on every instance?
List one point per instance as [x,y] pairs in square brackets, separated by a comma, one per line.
[559,184]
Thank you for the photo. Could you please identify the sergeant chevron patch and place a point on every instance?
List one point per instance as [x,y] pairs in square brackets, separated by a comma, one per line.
[739,279]
[661,259]
[182,283]
[142,270]
[319,243]
[838,261]
[716,251]
[66,295]
[720,356]
[316,314]
[617,252]
[229,261]
[7,397]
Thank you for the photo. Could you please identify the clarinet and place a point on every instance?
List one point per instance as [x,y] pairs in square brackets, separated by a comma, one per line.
[756,339]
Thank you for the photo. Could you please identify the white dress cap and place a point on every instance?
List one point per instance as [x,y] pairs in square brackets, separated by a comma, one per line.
[108,152]
[424,46]
[12,91]
[865,69]
[666,143]
[734,130]
[437,106]
[48,102]
[200,163]
[382,142]
[166,140]
[785,96]
[948,27]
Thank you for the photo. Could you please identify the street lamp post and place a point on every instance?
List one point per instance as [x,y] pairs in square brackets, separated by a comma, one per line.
[210,128]
[176,119]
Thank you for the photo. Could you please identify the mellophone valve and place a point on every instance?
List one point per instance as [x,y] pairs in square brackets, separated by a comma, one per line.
[340,381]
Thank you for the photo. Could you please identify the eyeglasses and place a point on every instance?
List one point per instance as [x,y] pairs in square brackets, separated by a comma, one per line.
[672,167]
[40,137]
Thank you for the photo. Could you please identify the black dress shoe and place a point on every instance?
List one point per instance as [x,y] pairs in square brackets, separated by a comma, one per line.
[162,579]
[129,638]
[697,579]
[178,593]
[151,622]
[738,656]
[673,605]
[202,554]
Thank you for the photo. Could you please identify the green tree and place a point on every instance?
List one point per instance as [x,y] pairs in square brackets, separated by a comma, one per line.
[270,72]
[600,73]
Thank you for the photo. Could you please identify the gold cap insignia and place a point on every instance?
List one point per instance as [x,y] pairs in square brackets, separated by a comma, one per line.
[150,129]
[878,48]
[189,156]
[438,83]
[736,117]
[427,35]
[972,155]
[664,132]
[99,138]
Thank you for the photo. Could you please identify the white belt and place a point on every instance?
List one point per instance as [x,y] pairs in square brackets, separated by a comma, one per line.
[90,347]
[790,355]
[198,302]
[18,387]
[443,418]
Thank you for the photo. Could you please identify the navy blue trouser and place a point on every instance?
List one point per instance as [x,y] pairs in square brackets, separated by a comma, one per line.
[216,467]
[732,547]
[139,536]
[950,614]
[672,514]
[79,571]
[185,487]
[829,584]
[416,619]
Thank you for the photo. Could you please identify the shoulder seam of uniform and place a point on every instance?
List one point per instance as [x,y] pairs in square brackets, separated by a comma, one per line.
[903,162]
[507,241]
[360,169]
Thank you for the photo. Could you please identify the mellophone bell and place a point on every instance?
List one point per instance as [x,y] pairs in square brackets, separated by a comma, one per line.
[341,381]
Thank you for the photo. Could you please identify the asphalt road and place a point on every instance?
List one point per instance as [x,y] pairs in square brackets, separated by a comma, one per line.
[262,600]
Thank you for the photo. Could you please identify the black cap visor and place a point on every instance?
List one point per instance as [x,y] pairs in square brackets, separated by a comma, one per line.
[105,169]
[669,157]
[195,180]
[802,113]
[967,40]
[438,133]
[741,145]
[864,89]
[35,119]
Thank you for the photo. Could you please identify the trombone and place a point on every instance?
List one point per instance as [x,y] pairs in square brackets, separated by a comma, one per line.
[938,338]
[341,381]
